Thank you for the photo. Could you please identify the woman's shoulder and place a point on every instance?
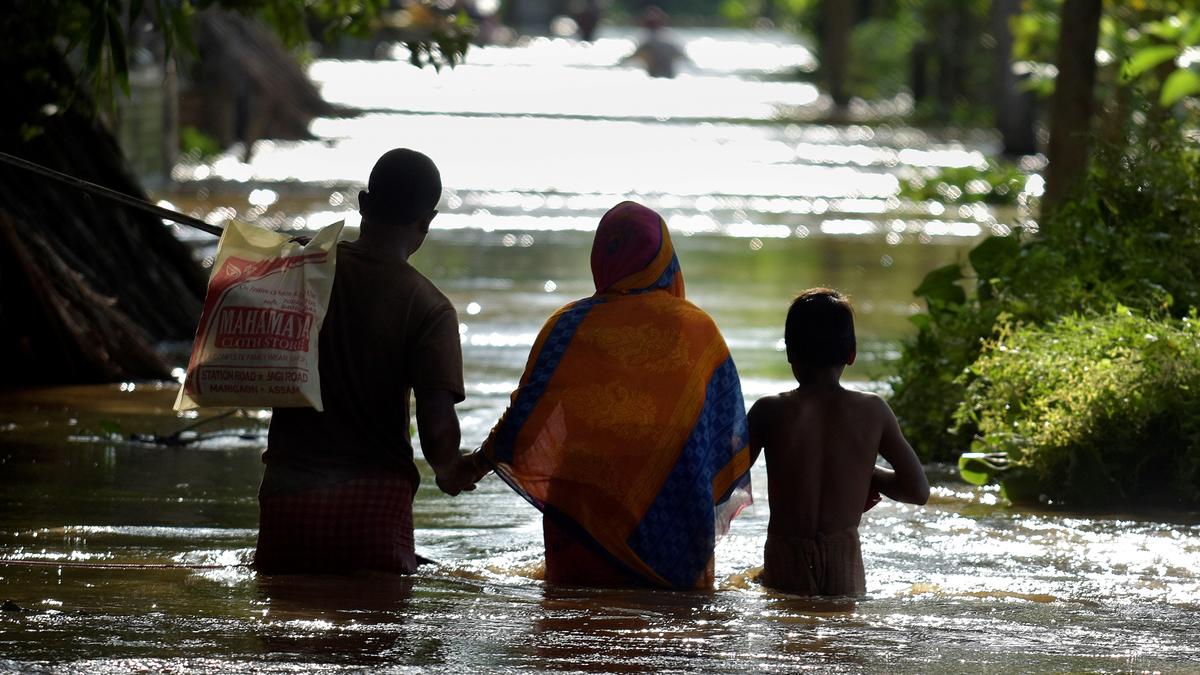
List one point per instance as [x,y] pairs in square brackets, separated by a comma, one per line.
[659,304]
[574,310]
[575,306]
[692,312]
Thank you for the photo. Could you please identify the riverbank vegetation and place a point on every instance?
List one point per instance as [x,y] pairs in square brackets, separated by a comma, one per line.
[994,183]
[1065,345]
[1092,410]
[1072,347]
[1132,237]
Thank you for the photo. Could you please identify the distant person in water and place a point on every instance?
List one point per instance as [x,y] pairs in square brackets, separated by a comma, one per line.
[821,442]
[628,429]
[338,488]
[587,15]
[656,52]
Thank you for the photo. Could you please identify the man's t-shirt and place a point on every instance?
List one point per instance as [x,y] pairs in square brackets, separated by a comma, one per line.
[388,331]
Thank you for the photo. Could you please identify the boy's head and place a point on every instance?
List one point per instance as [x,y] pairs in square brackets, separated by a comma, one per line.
[820,329]
[404,188]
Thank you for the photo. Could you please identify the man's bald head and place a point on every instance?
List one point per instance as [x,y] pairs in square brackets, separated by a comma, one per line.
[404,187]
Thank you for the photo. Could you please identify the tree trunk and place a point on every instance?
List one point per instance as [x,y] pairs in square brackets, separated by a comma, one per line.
[1015,110]
[1114,113]
[1072,105]
[170,115]
[835,48]
[918,72]
[954,35]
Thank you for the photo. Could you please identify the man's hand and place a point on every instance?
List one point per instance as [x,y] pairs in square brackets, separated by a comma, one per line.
[438,427]
[463,474]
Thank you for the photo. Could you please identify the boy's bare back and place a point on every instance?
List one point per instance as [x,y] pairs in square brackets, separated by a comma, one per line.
[821,443]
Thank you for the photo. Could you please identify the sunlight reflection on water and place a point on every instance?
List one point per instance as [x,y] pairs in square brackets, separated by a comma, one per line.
[535,142]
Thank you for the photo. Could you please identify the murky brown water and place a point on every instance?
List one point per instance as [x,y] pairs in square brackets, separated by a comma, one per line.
[760,210]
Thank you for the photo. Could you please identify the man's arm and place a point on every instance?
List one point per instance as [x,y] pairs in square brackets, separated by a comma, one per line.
[437,425]
[906,481]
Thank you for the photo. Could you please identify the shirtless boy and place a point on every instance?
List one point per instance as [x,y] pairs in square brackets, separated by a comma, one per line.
[821,442]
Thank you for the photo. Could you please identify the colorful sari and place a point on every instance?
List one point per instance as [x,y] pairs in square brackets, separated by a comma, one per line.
[628,426]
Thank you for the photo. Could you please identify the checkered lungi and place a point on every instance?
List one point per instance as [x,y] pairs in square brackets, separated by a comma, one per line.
[363,524]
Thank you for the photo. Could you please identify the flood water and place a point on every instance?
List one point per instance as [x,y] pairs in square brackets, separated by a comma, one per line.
[535,142]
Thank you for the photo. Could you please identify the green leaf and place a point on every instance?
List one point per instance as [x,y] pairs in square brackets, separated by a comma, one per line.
[117,54]
[1168,30]
[994,255]
[111,427]
[96,37]
[1192,37]
[31,131]
[941,285]
[177,23]
[1182,82]
[1148,58]
[978,468]
[135,10]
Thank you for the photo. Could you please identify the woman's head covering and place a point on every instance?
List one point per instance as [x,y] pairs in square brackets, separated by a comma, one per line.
[632,252]
[628,424]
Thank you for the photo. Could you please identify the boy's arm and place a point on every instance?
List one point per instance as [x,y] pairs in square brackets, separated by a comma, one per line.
[905,481]
[756,424]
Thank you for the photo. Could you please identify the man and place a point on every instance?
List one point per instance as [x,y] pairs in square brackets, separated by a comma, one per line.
[656,52]
[338,488]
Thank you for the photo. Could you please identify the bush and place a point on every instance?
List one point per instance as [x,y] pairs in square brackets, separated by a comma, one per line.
[1096,410]
[1132,238]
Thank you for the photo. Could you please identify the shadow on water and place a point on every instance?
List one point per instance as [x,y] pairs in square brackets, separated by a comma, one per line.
[647,631]
[358,619]
[630,631]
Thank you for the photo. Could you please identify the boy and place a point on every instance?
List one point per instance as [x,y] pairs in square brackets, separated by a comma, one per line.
[821,441]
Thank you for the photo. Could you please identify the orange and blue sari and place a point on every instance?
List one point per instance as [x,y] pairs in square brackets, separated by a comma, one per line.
[628,426]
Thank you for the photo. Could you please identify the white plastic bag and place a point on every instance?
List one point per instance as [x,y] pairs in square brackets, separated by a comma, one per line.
[256,345]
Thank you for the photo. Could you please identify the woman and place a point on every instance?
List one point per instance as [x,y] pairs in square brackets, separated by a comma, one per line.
[628,428]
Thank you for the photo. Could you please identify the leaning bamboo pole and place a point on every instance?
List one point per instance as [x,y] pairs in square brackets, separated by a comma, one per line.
[91,282]
[101,191]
